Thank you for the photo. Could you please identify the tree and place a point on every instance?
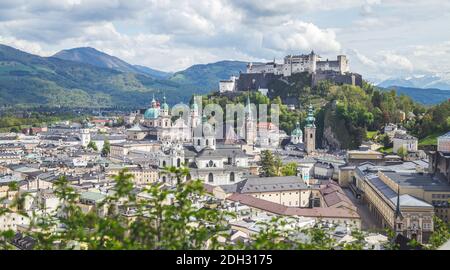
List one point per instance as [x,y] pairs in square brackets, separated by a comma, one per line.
[106,148]
[14,130]
[268,164]
[156,223]
[289,169]
[441,233]
[92,145]
[386,141]
[402,152]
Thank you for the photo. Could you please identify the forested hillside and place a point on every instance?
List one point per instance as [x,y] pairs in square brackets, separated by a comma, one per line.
[345,113]
[31,80]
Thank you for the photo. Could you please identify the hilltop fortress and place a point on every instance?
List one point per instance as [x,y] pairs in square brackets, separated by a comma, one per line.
[292,64]
[259,75]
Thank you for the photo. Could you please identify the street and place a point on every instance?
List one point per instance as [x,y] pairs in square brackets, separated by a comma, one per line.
[368,222]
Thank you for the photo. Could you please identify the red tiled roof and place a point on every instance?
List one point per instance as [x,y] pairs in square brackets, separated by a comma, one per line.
[267,125]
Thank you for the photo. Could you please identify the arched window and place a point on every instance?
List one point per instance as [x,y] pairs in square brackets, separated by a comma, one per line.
[207,142]
[210,178]
[164,163]
[164,179]
[178,162]
[232,177]
[210,163]
[198,142]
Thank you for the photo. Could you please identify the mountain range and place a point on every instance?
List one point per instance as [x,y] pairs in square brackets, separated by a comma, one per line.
[430,81]
[86,77]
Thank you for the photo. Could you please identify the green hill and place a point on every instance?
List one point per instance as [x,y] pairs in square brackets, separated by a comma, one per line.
[30,80]
[205,78]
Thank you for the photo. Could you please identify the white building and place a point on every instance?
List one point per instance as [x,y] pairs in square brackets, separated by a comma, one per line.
[408,142]
[443,143]
[228,85]
[215,164]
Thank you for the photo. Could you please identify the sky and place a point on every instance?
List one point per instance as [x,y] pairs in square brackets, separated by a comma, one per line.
[382,38]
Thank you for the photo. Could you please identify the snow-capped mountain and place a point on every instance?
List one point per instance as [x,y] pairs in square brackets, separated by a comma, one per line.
[420,81]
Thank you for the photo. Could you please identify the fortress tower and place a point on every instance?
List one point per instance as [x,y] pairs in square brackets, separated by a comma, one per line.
[343,63]
[310,131]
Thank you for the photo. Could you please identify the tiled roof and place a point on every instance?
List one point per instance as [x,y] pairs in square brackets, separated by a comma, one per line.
[279,209]
[266,184]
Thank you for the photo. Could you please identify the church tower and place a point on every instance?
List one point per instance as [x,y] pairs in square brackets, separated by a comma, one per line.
[194,114]
[85,137]
[398,217]
[310,131]
[204,136]
[164,107]
[250,130]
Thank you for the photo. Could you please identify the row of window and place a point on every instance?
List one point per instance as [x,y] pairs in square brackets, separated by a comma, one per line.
[211,177]
[440,196]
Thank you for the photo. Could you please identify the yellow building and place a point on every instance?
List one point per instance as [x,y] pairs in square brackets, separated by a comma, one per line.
[404,195]
[141,175]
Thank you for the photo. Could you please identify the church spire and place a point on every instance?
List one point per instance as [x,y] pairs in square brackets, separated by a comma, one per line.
[248,106]
[398,213]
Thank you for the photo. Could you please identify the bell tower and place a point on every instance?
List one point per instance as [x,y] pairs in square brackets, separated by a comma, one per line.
[310,131]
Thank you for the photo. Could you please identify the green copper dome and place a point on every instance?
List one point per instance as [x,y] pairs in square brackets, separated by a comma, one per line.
[165,106]
[297,131]
[151,113]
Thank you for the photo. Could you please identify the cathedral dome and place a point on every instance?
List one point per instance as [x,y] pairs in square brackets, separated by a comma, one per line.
[151,113]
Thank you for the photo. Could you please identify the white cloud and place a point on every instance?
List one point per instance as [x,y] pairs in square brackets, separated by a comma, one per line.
[174,34]
[396,62]
[24,45]
[298,35]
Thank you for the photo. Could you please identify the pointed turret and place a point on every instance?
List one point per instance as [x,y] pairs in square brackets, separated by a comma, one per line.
[398,213]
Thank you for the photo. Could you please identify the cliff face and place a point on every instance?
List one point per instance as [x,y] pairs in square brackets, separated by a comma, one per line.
[334,134]
[329,140]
